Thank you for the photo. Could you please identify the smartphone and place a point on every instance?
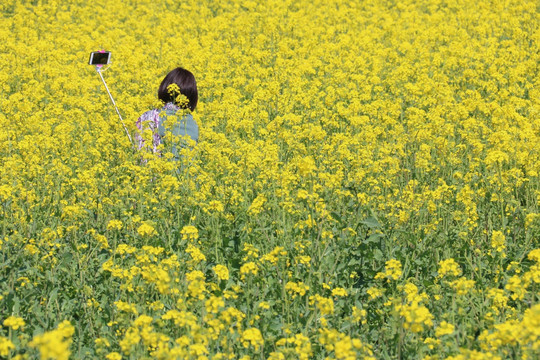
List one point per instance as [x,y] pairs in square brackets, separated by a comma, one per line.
[100,58]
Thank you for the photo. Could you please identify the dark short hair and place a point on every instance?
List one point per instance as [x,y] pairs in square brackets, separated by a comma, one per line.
[187,84]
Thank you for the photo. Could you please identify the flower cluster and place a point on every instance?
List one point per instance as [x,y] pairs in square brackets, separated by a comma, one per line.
[366,184]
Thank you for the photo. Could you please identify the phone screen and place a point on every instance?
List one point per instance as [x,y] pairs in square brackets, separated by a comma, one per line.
[100,58]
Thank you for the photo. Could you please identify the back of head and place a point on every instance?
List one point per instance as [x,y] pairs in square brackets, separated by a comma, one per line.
[187,84]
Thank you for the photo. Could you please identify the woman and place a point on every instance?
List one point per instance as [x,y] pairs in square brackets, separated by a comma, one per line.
[173,122]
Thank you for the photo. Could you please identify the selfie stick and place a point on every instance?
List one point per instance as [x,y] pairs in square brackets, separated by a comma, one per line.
[98,69]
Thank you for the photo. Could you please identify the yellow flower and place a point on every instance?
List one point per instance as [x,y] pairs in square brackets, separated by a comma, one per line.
[102,240]
[14,322]
[55,344]
[516,287]
[102,342]
[534,255]
[131,338]
[431,343]
[302,346]
[340,292]
[216,206]
[296,289]
[173,89]
[416,316]
[126,307]
[392,270]
[125,249]
[251,252]
[189,232]
[214,304]
[306,166]
[72,211]
[256,206]
[276,355]
[273,256]
[196,284]
[498,299]
[221,272]
[231,315]
[359,315]
[324,305]
[449,266]
[462,285]
[374,292]
[114,225]
[113,356]
[304,260]
[253,337]
[248,268]
[146,230]
[5,346]
[444,329]
[31,249]
[498,241]
[195,253]
[143,320]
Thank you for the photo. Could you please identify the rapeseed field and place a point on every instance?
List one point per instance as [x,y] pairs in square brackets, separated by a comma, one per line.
[366,184]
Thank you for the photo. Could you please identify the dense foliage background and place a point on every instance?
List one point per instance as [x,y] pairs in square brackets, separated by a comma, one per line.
[366,184]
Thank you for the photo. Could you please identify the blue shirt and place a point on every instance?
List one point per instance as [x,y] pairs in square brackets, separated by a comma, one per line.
[169,127]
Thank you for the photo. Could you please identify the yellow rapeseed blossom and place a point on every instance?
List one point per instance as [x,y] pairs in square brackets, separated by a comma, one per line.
[146,230]
[14,322]
[339,292]
[323,304]
[102,240]
[498,241]
[248,268]
[444,328]
[302,346]
[189,232]
[332,137]
[126,307]
[114,224]
[449,267]
[55,344]
[221,272]
[296,288]
[431,343]
[196,284]
[411,291]
[416,316]
[517,287]
[214,304]
[5,346]
[131,338]
[195,253]
[392,270]
[534,255]
[273,256]
[256,206]
[374,292]
[251,252]
[113,356]
[253,337]
[462,286]
[359,315]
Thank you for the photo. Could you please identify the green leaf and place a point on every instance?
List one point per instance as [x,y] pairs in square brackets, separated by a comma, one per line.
[373,238]
[53,295]
[371,223]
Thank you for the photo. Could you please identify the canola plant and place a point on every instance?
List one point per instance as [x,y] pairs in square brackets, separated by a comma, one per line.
[366,184]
